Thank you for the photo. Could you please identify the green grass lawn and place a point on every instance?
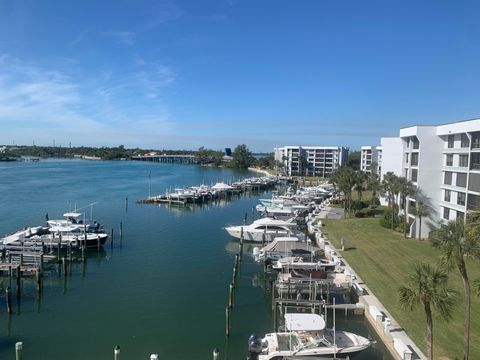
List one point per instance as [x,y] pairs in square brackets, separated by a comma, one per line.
[381,258]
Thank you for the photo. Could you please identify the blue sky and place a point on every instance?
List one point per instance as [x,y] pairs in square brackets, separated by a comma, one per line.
[182,74]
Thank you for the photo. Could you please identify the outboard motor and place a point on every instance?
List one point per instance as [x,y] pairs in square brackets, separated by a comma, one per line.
[254,347]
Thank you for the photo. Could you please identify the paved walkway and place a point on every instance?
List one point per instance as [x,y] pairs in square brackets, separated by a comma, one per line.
[392,334]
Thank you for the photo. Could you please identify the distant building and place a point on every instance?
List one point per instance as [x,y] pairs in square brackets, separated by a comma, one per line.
[228,152]
[311,160]
[444,163]
[369,155]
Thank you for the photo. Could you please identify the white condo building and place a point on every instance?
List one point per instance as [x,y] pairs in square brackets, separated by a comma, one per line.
[318,160]
[444,162]
[369,155]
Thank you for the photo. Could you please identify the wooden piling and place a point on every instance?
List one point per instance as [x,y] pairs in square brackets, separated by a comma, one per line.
[19,279]
[216,354]
[241,244]
[38,278]
[41,263]
[98,243]
[230,296]
[121,230]
[64,263]
[116,353]
[59,246]
[8,296]
[245,219]
[227,321]
[18,350]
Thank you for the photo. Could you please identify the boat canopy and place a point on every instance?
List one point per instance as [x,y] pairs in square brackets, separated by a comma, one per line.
[273,222]
[72,215]
[286,244]
[304,322]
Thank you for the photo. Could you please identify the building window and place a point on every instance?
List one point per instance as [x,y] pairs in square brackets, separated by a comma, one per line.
[447,178]
[463,161]
[475,161]
[446,195]
[451,139]
[415,159]
[449,159]
[464,142]
[406,158]
[461,180]
[460,215]
[475,140]
[416,143]
[406,173]
[473,202]
[474,182]
[461,198]
[446,213]
[414,175]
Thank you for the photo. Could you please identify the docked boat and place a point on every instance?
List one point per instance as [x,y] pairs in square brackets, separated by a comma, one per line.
[74,234]
[288,246]
[74,219]
[298,263]
[305,337]
[263,229]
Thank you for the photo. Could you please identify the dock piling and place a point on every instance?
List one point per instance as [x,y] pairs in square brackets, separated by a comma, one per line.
[116,353]
[230,296]
[18,350]
[98,243]
[227,318]
[8,297]
[216,354]
[121,229]
[64,263]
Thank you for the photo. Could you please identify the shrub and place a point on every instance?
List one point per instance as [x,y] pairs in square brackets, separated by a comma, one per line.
[357,205]
[386,220]
[365,213]
[375,201]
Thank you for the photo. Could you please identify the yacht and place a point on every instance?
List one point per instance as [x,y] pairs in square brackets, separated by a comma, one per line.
[305,337]
[265,227]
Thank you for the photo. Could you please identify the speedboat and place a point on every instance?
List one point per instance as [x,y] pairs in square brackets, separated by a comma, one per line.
[263,229]
[305,337]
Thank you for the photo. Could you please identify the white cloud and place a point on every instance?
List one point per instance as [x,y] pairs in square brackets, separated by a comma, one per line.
[41,104]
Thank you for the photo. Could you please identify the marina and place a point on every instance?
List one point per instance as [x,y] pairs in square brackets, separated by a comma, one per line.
[134,289]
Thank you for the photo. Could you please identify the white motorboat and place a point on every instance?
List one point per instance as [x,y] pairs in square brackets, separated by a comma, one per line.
[23,234]
[305,337]
[263,228]
[75,220]
[298,263]
[72,233]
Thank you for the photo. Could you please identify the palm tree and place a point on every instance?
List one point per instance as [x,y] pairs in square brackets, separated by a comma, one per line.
[360,178]
[421,210]
[387,183]
[344,178]
[406,189]
[455,246]
[428,285]
[374,185]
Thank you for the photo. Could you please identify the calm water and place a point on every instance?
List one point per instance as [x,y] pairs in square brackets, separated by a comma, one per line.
[163,289]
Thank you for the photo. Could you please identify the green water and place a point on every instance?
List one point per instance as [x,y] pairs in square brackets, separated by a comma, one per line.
[162,289]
